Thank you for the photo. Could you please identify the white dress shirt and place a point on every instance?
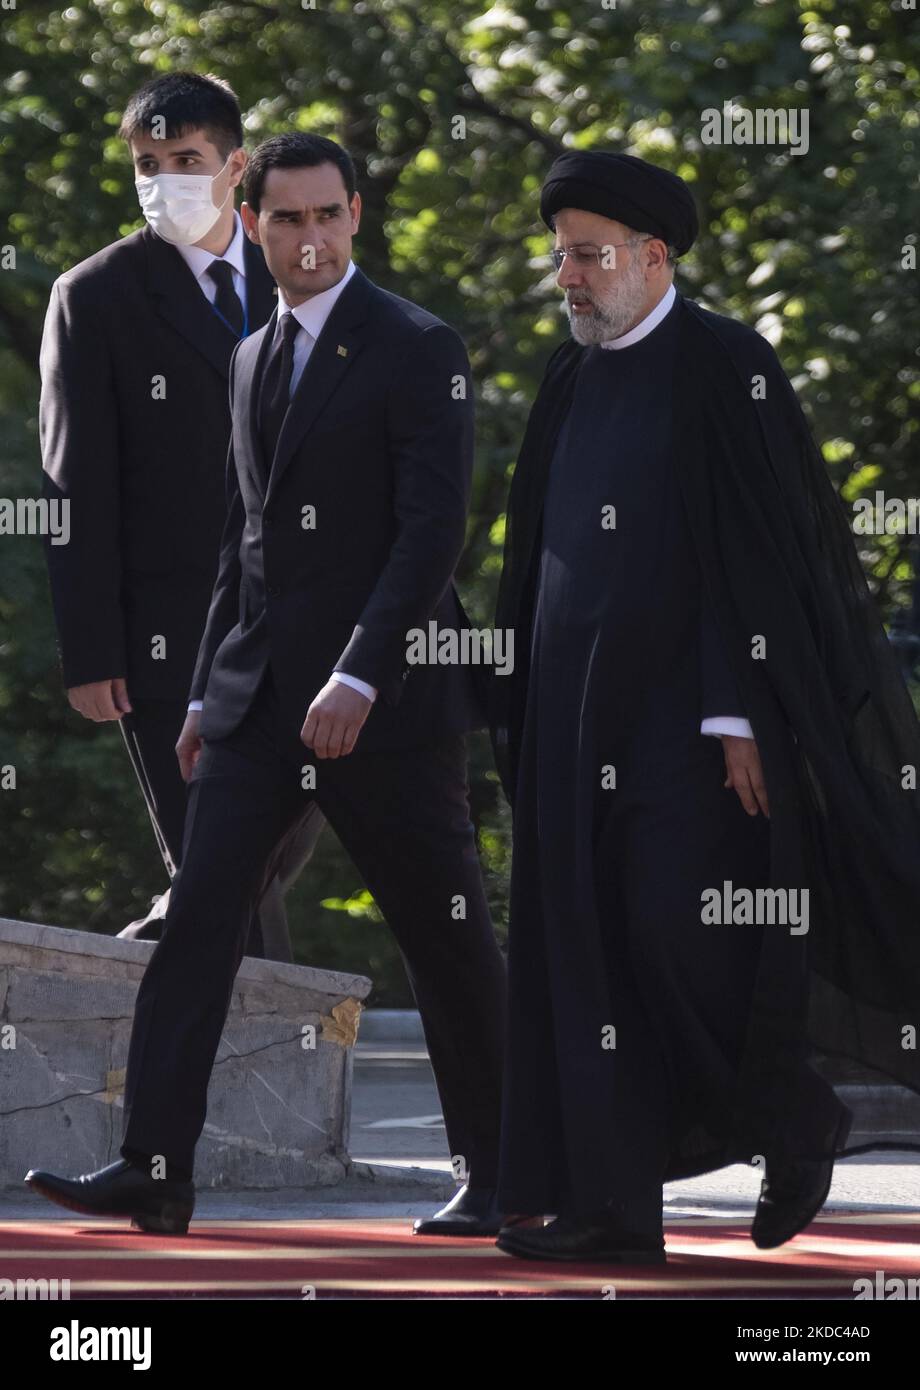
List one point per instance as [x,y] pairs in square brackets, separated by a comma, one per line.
[717,724]
[311,316]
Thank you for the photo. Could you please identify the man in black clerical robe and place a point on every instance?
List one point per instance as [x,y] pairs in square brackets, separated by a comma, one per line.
[707,745]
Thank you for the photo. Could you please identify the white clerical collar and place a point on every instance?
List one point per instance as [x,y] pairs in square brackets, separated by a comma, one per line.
[198,260]
[645,325]
[313,313]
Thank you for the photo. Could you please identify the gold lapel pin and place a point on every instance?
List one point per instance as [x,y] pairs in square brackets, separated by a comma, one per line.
[342,351]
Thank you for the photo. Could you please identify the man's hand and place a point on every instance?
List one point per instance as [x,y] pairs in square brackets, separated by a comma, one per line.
[745,774]
[189,746]
[100,700]
[334,720]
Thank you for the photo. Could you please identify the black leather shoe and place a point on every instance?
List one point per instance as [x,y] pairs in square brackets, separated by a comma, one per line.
[582,1238]
[792,1194]
[472,1211]
[122,1189]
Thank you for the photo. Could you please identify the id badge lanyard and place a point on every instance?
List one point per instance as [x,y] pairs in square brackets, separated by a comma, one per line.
[245,332]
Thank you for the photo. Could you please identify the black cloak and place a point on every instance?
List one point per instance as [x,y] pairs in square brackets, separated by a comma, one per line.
[837,733]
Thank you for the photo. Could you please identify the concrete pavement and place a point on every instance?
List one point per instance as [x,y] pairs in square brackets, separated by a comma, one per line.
[402,1165]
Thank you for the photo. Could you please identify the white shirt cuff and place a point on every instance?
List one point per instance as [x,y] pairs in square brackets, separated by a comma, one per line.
[195,704]
[727,724]
[361,686]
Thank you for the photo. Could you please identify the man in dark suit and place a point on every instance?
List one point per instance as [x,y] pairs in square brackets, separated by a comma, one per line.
[349,475]
[134,425]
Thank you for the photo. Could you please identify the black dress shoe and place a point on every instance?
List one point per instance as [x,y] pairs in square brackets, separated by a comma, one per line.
[472,1211]
[122,1189]
[582,1238]
[792,1194]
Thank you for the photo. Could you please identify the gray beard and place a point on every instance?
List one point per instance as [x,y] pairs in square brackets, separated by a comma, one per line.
[612,314]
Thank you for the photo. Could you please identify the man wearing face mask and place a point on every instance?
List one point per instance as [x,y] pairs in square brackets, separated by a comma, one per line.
[134,425]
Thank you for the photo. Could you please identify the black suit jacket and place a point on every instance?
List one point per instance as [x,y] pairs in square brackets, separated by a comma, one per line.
[378,441]
[134,427]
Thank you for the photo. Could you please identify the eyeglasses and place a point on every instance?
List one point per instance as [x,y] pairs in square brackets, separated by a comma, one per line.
[590,255]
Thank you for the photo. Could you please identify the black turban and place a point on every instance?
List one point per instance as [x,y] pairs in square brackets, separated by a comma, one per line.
[625,189]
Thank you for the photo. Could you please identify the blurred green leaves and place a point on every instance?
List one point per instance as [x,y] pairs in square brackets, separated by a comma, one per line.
[453,113]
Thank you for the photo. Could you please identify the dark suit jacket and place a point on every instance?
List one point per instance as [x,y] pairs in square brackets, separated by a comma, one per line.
[144,475]
[377,443]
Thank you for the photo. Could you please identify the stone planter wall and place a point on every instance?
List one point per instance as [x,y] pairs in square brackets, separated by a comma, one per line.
[280,1093]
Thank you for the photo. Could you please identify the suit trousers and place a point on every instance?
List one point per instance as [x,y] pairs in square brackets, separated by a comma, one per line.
[403,817]
[152,730]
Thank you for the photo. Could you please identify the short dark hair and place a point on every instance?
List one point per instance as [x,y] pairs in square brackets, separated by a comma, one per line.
[186,101]
[295,151]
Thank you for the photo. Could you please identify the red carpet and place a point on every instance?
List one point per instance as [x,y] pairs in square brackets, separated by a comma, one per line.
[382,1259]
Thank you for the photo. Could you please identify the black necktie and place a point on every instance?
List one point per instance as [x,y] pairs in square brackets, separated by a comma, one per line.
[276,386]
[227,302]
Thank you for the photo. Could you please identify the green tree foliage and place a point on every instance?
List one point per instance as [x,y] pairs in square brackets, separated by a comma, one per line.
[453,113]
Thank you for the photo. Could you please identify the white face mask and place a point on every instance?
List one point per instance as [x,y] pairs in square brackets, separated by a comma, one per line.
[180,207]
